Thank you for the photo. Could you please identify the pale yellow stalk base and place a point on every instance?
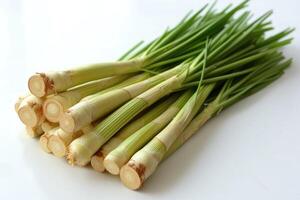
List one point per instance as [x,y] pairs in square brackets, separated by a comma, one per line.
[44,142]
[131,176]
[59,141]
[47,126]
[57,146]
[113,164]
[87,128]
[80,155]
[54,107]
[82,149]
[43,84]
[18,102]
[34,131]
[87,111]
[121,154]
[30,111]
[135,125]
[142,164]
[98,158]
[145,162]
[36,85]
[97,162]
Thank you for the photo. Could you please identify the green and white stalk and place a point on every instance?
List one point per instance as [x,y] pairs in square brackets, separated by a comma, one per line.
[133,176]
[87,111]
[193,127]
[44,84]
[88,128]
[82,149]
[30,111]
[128,130]
[132,80]
[121,154]
[144,162]
[55,105]
[174,42]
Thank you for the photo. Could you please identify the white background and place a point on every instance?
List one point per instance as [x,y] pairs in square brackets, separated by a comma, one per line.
[250,151]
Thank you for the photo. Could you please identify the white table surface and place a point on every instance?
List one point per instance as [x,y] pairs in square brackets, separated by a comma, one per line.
[250,151]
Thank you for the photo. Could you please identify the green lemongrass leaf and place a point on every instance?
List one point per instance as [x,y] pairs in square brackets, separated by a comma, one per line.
[238,38]
[239,63]
[230,59]
[257,77]
[186,39]
[234,98]
[229,76]
[150,71]
[204,65]
[208,12]
[139,53]
[261,82]
[230,29]
[132,49]
[156,42]
[184,24]
[271,71]
[194,105]
[280,44]
[242,81]
[276,37]
[241,35]
[174,59]
[251,89]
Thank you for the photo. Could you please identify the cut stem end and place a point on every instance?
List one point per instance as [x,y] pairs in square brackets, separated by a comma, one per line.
[37,86]
[130,177]
[97,163]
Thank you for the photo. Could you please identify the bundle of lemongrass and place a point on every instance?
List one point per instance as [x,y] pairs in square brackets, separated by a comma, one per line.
[127,116]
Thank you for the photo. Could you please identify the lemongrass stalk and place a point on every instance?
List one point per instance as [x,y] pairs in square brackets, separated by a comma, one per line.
[132,80]
[183,36]
[18,102]
[82,149]
[47,126]
[34,131]
[44,143]
[121,154]
[59,140]
[44,139]
[43,84]
[30,111]
[212,109]
[87,111]
[55,105]
[87,128]
[97,161]
[144,162]
[193,127]
[139,122]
